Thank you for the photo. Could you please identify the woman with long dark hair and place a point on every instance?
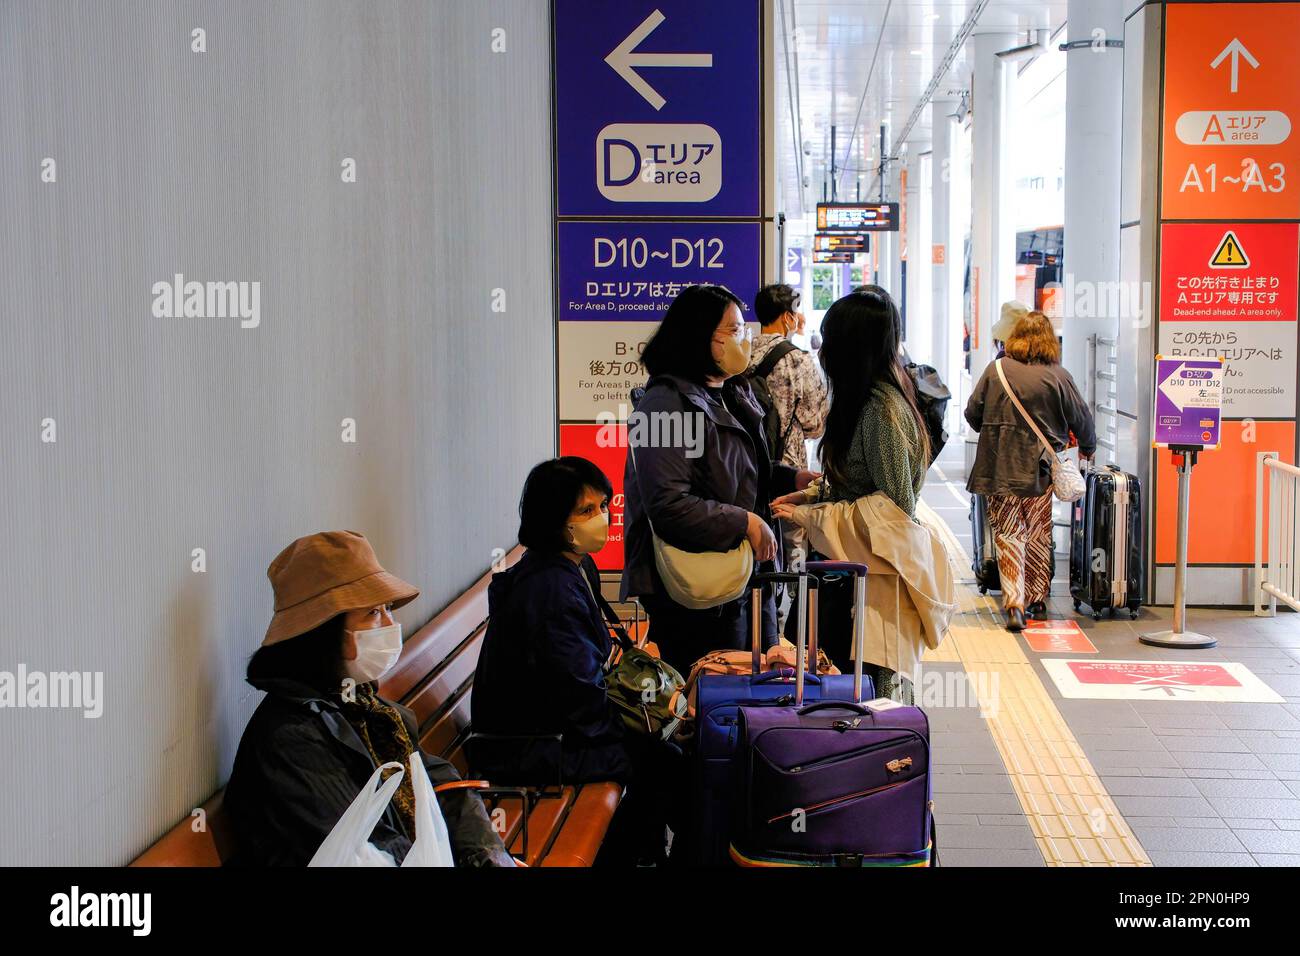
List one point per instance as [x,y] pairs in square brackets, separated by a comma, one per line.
[707,488]
[876,444]
[876,439]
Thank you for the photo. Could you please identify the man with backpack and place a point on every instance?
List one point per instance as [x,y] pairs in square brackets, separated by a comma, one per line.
[785,379]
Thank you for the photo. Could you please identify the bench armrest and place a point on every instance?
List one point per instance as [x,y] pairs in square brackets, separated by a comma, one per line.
[556,740]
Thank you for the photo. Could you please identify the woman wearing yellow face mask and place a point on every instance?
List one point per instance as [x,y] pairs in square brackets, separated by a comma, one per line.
[541,669]
[700,476]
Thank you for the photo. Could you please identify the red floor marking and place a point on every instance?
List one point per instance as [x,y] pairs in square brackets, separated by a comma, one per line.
[1169,678]
[1056,637]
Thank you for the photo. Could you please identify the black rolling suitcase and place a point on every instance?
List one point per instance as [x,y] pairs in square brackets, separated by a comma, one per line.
[1107,563]
[985,563]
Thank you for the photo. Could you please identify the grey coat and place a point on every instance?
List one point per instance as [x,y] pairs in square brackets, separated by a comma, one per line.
[1010,460]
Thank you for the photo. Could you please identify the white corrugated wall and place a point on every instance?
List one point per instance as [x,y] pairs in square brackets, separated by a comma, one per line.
[176,434]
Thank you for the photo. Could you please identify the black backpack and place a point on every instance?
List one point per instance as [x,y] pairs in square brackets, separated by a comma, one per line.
[932,397]
[757,378]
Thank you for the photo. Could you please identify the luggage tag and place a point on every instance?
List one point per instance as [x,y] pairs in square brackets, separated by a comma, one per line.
[882,703]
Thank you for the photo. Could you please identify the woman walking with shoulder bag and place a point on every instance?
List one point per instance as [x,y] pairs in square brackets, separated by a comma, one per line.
[1012,466]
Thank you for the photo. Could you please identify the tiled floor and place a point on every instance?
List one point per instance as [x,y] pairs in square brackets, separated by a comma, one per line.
[1195,783]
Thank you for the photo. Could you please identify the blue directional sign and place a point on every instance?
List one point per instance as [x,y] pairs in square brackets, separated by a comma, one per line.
[658,108]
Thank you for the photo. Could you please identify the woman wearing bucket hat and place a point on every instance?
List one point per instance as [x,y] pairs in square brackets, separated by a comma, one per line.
[322,729]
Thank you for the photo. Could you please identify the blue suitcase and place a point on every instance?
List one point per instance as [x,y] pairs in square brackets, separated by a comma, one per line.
[718,703]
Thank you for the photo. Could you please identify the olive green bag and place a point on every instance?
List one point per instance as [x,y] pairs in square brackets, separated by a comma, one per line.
[646,691]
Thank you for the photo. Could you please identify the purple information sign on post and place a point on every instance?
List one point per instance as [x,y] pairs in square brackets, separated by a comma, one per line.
[633,270]
[657,108]
[1189,394]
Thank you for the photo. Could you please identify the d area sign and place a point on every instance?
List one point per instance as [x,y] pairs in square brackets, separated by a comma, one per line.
[658,108]
[1189,393]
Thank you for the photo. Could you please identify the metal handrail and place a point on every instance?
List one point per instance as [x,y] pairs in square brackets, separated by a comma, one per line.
[1279,578]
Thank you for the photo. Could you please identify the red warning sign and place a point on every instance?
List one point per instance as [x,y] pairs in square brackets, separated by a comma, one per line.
[606,447]
[1057,637]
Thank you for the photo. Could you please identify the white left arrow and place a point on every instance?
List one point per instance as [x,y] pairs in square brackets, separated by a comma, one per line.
[1237,51]
[623,59]
[1172,389]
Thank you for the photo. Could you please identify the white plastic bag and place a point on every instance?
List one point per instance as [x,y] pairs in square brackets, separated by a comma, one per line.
[348,844]
[432,846]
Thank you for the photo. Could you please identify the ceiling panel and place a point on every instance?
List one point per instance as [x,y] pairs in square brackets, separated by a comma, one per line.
[858,63]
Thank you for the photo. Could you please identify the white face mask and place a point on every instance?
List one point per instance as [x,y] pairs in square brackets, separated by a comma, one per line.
[589,536]
[377,651]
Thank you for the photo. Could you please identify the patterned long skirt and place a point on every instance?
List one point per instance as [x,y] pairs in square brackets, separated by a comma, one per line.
[1022,530]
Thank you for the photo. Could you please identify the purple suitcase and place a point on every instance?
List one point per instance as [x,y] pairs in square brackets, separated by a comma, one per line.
[720,698]
[833,783]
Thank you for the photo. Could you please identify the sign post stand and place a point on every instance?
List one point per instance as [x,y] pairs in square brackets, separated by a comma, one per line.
[1188,403]
[1184,457]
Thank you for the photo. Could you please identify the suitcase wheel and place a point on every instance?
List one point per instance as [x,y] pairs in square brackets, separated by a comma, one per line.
[1132,613]
[983,590]
[1077,605]
[1096,615]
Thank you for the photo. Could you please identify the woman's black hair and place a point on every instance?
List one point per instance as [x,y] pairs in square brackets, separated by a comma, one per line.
[314,658]
[861,334]
[551,492]
[681,345]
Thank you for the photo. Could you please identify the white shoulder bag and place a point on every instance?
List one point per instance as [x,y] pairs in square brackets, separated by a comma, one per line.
[700,579]
[1067,482]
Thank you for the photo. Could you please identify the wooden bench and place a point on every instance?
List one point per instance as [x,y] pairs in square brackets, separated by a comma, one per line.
[434,677]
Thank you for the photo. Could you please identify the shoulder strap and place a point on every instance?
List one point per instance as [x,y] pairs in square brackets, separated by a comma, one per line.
[1021,409]
[611,618]
[777,352]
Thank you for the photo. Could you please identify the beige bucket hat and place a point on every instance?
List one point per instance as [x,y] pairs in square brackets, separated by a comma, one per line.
[325,574]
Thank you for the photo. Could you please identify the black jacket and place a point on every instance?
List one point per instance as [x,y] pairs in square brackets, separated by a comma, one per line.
[1010,460]
[300,764]
[540,672]
[698,503]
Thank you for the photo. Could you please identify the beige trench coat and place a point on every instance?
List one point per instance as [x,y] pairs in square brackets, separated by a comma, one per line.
[911,592]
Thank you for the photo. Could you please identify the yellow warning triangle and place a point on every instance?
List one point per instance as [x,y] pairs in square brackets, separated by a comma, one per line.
[1230,255]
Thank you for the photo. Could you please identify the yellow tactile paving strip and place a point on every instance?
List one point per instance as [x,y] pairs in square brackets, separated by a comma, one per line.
[1074,820]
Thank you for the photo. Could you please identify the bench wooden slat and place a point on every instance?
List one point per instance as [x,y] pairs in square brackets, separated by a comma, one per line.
[579,840]
[442,736]
[427,647]
[428,698]
[544,824]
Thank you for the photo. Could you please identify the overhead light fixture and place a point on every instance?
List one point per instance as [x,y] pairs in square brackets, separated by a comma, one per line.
[932,16]
[916,53]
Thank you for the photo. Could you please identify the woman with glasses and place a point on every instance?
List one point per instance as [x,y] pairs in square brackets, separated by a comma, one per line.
[708,493]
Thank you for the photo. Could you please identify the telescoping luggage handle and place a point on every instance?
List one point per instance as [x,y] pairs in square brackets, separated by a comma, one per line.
[859,572]
[801,603]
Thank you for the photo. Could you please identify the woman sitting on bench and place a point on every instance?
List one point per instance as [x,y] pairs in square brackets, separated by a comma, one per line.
[321,731]
[541,671]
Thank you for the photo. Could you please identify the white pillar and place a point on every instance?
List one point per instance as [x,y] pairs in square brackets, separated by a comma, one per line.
[1094,92]
[993,240]
[893,271]
[945,302]
[918,258]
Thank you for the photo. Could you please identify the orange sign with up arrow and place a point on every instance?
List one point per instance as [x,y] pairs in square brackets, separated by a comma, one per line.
[1232,98]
